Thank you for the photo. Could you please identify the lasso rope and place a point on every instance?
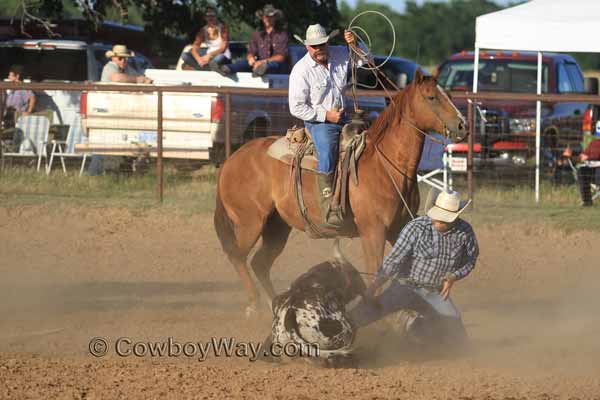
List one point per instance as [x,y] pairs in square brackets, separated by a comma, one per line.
[357,52]
[355,28]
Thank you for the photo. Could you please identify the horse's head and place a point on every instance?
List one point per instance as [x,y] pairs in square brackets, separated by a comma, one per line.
[433,110]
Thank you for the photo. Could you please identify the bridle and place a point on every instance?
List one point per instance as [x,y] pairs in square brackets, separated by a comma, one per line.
[386,159]
[361,54]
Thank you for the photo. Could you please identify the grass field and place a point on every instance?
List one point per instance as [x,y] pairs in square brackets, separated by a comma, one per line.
[193,193]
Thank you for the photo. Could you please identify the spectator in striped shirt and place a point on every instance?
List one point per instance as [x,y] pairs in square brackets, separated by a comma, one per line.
[431,254]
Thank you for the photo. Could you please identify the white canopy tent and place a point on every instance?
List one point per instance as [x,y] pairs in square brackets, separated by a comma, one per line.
[539,25]
[542,25]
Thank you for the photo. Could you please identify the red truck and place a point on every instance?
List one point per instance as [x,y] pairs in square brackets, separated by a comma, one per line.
[508,135]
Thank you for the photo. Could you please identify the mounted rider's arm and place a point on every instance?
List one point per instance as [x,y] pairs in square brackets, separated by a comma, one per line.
[350,39]
[299,99]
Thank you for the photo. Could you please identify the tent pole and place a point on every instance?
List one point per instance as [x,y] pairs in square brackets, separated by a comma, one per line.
[471,117]
[538,113]
[476,70]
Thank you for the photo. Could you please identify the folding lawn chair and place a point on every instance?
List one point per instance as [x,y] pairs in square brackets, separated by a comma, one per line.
[433,162]
[35,134]
[594,187]
[66,148]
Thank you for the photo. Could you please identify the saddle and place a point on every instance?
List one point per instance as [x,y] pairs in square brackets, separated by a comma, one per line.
[297,150]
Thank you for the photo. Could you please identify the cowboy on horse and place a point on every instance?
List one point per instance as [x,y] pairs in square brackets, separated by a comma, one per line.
[255,196]
[316,96]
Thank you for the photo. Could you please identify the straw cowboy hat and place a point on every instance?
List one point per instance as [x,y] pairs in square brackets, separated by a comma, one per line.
[119,50]
[447,207]
[269,11]
[316,35]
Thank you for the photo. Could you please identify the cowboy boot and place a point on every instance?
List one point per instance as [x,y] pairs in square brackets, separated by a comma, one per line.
[331,216]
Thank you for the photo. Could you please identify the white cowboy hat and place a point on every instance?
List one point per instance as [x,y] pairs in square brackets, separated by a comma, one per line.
[447,207]
[316,35]
[119,50]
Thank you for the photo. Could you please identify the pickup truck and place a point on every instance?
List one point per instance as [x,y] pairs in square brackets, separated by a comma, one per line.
[57,60]
[508,135]
[121,123]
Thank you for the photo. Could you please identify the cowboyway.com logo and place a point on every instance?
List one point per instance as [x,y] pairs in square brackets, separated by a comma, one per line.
[228,347]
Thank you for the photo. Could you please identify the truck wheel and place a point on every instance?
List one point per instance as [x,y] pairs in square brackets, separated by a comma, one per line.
[257,129]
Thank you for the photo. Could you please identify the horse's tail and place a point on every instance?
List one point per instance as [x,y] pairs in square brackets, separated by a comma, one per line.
[225,227]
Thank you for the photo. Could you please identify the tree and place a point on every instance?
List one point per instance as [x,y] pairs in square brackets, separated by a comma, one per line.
[164,20]
[377,28]
[433,31]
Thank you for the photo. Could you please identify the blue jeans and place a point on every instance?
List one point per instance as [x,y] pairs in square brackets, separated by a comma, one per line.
[273,67]
[400,296]
[189,59]
[327,141]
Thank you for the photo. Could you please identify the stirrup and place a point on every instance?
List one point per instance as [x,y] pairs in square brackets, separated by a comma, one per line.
[333,216]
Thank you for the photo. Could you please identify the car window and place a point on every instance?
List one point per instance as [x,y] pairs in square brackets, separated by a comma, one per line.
[494,76]
[576,78]
[46,64]
[564,82]
[139,63]
[101,60]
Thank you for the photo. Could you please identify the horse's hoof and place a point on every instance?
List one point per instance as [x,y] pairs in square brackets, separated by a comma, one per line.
[251,311]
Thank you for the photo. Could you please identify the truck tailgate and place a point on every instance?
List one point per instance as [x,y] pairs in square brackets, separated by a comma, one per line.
[123,119]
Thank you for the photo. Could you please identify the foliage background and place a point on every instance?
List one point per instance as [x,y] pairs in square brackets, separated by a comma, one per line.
[426,33]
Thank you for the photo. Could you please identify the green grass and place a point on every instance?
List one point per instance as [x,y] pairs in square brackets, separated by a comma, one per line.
[192,193]
[187,193]
[558,207]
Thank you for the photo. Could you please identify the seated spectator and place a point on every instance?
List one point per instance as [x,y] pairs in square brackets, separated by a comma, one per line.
[117,70]
[18,101]
[21,101]
[585,174]
[268,47]
[211,46]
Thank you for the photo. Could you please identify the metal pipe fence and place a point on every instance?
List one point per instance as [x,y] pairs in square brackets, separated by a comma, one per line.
[230,124]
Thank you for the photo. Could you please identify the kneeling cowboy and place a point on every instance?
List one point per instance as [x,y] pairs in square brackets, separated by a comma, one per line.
[316,96]
[431,253]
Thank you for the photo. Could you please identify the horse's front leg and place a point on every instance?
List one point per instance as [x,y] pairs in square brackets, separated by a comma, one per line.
[373,244]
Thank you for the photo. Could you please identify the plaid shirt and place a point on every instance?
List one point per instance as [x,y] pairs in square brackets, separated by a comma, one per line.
[427,256]
[264,45]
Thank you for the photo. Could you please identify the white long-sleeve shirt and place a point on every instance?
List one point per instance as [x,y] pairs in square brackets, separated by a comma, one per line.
[315,89]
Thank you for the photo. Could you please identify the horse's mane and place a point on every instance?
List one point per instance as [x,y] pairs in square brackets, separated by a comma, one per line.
[394,111]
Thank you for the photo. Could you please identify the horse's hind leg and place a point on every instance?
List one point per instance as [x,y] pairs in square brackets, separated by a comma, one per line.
[237,245]
[274,237]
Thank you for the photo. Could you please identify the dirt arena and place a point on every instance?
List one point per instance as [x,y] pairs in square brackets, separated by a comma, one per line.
[69,275]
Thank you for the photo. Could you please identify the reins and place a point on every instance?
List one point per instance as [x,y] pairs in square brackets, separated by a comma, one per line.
[377,72]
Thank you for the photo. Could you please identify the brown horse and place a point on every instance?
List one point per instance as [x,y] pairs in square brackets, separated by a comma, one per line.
[255,196]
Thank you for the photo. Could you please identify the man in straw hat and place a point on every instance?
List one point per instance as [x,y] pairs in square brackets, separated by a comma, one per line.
[268,47]
[431,254]
[316,96]
[117,70]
